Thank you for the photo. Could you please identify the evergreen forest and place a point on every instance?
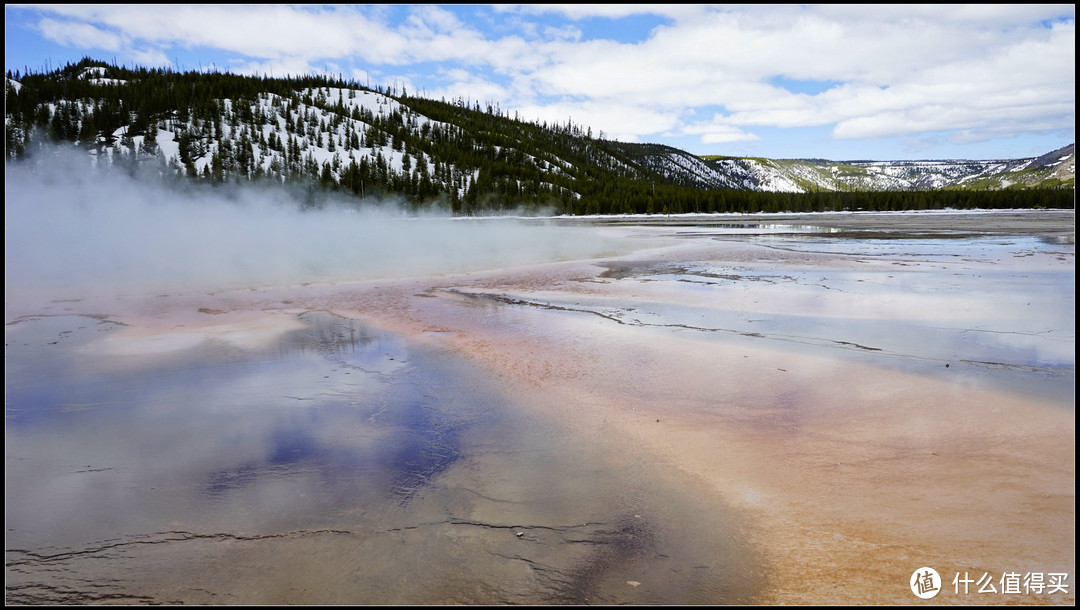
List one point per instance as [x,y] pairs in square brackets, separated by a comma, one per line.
[331,135]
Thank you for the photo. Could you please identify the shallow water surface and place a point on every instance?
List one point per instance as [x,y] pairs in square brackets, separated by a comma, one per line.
[996,311]
[697,416]
[336,465]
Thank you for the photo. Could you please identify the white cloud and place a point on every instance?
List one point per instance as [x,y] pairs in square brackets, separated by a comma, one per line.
[430,19]
[607,11]
[625,122]
[75,34]
[719,132]
[266,32]
[894,70]
[467,86]
[563,34]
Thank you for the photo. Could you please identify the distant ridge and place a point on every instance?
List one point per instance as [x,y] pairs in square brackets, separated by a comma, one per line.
[322,134]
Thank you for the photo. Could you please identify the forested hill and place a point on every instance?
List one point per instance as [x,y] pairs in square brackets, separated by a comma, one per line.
[332,135]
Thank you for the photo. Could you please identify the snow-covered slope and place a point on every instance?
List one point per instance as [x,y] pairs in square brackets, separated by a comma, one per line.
[800,176]
[359,137]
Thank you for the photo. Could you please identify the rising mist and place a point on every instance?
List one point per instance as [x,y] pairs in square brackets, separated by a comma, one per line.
[75,230]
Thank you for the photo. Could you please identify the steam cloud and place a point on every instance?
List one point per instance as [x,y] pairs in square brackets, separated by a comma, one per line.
[74,230]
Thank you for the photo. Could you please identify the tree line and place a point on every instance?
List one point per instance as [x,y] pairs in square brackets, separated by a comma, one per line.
[466,157]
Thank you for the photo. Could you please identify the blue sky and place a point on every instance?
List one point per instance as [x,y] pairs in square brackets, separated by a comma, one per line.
[840,82]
